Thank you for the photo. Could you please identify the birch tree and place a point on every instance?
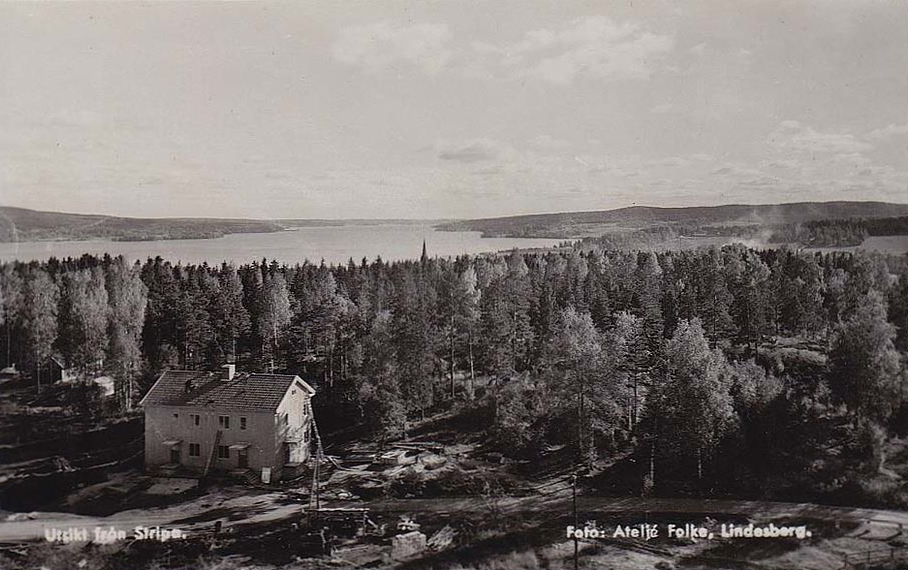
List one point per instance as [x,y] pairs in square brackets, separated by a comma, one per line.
[693,405]
[10,307]
[863,362]
[274,314]
[582,376]
[128,298]
[84,319]
[40,298]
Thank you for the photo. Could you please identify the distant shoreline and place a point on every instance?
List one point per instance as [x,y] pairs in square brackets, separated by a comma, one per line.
[18,225]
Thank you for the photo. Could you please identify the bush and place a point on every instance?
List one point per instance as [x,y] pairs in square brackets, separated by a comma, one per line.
[878,492]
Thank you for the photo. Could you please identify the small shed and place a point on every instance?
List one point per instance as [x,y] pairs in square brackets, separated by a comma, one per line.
[59,371]
[10,372]
[106,384]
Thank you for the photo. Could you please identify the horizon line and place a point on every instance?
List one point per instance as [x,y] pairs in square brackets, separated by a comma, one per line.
[446,219]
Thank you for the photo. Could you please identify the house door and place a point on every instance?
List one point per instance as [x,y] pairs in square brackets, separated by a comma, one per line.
[242,459]
[175,455]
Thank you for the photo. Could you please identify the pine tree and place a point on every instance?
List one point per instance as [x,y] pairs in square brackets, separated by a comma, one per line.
[631,359]
[229,315]
[714,299]
[194,332]
[749,278]
[505,321]
[648,286]
[597,290]
[797,290]
[159,341]
[414,341]
[382,402]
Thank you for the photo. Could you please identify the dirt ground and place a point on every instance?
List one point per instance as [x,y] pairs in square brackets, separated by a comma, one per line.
[477,510]
[267,527]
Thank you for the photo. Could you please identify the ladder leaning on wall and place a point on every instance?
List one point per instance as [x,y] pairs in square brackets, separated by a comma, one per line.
[214,449]
[314,502]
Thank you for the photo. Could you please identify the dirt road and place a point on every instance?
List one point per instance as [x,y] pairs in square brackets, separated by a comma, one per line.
[239,507]
[231,507]
[560,502]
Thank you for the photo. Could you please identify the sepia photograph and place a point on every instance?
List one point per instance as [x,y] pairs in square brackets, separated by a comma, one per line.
[448,285]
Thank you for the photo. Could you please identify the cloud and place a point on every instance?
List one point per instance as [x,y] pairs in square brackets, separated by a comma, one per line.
[761,182]
[698,50]
[743,56]
[479,150]
[794,136]
[671,161]
[786,164]
[591,48]
[378,46]
[888,131]
[548,142]
[80,118]
[736,170]
[663,108]
[851,159]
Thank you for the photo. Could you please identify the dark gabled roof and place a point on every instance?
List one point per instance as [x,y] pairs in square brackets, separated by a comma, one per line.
[246,392]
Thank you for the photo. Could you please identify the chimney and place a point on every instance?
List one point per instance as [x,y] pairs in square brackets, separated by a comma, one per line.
[227,372]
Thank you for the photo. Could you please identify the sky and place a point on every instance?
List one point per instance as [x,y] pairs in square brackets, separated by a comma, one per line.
[448,109]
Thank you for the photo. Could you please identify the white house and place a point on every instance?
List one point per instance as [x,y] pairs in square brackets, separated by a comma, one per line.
[198,421]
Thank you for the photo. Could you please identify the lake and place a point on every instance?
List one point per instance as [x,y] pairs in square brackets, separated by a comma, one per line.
[334,244]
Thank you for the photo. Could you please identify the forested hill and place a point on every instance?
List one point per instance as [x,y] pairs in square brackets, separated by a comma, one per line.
[584,224]
[20,224]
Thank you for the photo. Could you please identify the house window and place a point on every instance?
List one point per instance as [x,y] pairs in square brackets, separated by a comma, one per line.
[224,422]
[196,419]
[175,416]
[242,422]
[195,450]
[223,452]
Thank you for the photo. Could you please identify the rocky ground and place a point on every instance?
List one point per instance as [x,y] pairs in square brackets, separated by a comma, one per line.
[473,510]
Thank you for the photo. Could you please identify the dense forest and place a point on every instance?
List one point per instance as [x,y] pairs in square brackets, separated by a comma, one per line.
[838,233]
[817,233]
[718,370]
[597,223]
